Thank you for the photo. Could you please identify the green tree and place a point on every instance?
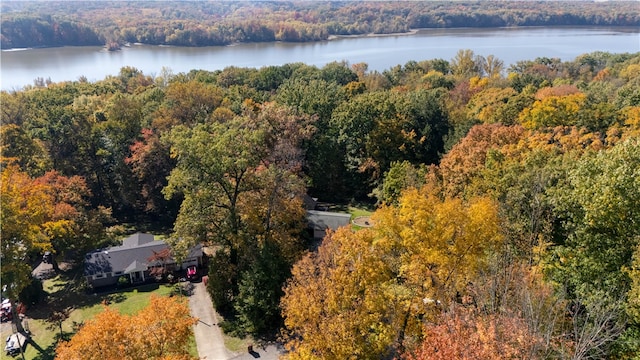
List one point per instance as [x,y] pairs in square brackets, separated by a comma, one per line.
[187,103]
[242,192]
[378,128]
[29,153]
[598,206]
[338,72]
[401,176]
[324,164]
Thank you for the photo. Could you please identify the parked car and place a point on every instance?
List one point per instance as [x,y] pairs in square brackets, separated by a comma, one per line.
[6,314]
[192,273]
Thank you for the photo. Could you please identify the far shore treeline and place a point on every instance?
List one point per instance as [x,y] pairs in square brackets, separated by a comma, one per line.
[113,23]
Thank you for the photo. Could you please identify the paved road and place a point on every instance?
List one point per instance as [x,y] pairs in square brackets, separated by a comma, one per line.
[268,352]
[207,332]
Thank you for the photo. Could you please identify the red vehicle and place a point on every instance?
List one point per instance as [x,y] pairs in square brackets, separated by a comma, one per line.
[192,273]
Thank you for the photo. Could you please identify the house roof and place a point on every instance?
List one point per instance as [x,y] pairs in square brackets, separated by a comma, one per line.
[310,203]
[321,220]
[131,256]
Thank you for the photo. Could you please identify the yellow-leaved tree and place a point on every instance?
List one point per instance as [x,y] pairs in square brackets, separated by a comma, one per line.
[441,243]
[552,109]
[365,294]
[159,331]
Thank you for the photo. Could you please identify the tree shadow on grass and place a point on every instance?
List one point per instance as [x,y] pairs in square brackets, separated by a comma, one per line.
[72,293]
[49,352]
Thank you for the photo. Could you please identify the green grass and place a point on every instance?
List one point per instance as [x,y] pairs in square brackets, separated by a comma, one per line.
[42,336]
[193,347]
[358,211]
[235,344]
[85,307]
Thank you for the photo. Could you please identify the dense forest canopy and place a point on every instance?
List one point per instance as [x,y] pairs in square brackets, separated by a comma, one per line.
[508,200]
[196,23]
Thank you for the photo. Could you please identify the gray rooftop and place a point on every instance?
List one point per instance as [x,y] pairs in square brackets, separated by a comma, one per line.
[132,256]
[321,220]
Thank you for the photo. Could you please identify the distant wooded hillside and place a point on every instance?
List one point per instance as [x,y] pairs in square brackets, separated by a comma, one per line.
[33,24]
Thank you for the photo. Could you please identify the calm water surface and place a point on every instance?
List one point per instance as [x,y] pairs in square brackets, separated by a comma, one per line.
[21,67]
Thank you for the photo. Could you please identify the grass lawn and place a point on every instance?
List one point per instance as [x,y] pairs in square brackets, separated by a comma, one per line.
[85,306]
[359,211]
[354,209]
[235,344]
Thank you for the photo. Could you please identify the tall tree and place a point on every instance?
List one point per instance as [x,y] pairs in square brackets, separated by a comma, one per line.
[466,64]
[598,207]
[242,192]
[85,224]
[324,164]
[17,146]
[26,226]
[375,129]
[151,164]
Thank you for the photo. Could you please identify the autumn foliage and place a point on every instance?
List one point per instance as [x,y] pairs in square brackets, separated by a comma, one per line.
[159,331]
[365,293]
[464,334]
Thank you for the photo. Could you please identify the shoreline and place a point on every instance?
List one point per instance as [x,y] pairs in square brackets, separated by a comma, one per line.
[330,37]
[410,32]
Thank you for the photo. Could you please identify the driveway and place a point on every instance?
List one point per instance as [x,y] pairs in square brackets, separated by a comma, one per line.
[209,336]
[207,332]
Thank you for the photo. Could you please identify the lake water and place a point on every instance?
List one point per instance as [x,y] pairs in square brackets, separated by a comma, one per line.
[21,67]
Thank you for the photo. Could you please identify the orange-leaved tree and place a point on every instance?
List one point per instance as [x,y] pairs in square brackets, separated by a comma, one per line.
[159,331]
[26,225]
[465,334]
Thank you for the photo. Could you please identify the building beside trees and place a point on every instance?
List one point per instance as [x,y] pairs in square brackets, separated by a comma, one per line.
[136,260]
